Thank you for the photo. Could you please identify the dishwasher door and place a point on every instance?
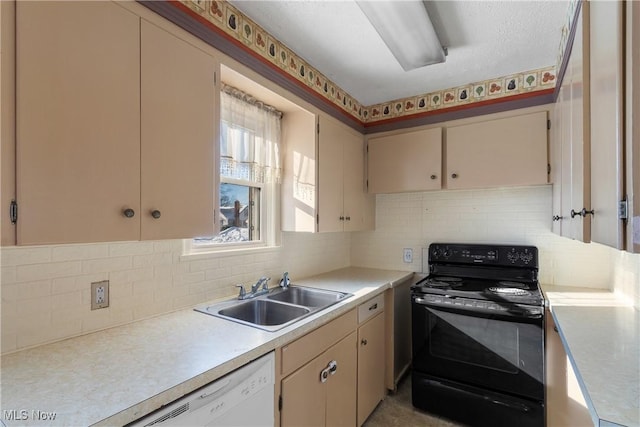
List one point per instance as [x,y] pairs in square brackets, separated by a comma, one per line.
[244,397]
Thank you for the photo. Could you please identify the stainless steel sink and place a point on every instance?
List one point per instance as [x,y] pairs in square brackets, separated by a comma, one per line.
[277,309]
[308,297]
[264,312]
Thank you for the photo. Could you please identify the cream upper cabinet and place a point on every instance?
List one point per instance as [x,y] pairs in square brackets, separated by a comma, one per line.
[115,127]
[632,109]
[410,161]
[177,137]
[570,141]
[343,204]
[501,152]
[78,122]
[607,98]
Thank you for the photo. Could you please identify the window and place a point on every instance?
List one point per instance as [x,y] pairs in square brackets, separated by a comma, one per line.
[250,171]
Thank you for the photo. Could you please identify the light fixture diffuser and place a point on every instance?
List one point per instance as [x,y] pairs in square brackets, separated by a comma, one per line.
[407,31]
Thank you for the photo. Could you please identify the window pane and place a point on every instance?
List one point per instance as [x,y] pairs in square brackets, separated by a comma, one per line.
[239,215]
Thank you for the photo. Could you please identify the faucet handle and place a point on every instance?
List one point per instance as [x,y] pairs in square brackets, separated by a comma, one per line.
[265,282]
[242,291]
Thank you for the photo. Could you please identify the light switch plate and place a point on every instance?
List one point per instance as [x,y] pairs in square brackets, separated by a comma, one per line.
[407,255]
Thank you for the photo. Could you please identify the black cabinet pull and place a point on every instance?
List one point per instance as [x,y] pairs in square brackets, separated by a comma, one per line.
[454,175]
[129,213]
[155,213]
[557,217]
[373,307]
[434,176]
[363,342]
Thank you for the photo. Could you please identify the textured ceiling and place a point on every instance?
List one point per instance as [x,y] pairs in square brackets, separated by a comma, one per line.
[485,39]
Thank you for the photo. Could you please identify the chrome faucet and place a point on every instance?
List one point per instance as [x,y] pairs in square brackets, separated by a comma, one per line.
[285,281]
[261,283]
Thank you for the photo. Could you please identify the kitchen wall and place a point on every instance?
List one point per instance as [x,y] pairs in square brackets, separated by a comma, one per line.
[46,289]
[509,215]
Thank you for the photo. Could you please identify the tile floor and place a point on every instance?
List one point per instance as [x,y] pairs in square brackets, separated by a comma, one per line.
[396,410]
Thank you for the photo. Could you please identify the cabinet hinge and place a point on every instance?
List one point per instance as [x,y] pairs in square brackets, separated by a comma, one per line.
[548,124]
[280,403]
[623,209]
[548,168]
[13,212]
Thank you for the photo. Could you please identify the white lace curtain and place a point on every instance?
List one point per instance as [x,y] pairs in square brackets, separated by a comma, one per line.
[249,138]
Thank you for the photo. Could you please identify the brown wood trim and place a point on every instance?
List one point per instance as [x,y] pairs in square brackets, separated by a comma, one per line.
[195,24]
[523,100]
[567,53]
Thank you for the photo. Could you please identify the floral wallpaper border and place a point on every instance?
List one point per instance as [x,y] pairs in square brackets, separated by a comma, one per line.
[232,22]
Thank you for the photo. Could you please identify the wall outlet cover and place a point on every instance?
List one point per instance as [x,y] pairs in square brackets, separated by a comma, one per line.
[407,255]
[99,294]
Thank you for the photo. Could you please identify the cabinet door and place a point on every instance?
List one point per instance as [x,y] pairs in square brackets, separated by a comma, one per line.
[307,401]
[371,366]
[78,122]
[565,403]
[330,176]
[606,121]
[303,396]
[359,206]
[580,188]
[633,124]
[409,161]
[503,152]
[341,387]
[555,158]
[7,119]
[178,136]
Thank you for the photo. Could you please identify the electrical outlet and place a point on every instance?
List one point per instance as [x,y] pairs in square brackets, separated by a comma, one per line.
[407,255]
[99,294]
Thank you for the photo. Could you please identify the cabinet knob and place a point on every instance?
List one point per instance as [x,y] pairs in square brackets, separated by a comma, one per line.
[363,342]
[333,367]
[557,217]
[454,175]
[434,176]
[324,375]
[348,218]
[341,218]
[156,213]
[129,213]
[583,212]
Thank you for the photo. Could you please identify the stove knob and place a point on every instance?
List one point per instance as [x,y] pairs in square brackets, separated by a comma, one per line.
[447,253]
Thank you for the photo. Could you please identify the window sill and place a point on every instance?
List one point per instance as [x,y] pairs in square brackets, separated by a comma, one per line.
[224,252]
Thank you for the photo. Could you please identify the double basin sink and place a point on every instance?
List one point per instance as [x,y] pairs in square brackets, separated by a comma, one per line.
[278,308]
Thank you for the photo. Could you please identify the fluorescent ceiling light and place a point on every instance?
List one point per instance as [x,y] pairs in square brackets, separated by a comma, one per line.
[406,29]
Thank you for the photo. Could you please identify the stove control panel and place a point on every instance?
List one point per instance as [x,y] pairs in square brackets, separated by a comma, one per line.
[501,255]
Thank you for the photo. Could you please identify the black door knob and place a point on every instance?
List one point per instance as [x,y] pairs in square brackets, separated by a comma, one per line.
[129,213]
[155,213]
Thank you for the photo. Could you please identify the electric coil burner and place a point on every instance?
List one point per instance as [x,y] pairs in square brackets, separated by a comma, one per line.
[478,336]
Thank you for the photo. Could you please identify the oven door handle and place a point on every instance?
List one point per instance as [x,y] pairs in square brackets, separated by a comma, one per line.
[522,314]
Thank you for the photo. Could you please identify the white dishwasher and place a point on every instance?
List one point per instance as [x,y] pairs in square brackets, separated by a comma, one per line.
[244,397]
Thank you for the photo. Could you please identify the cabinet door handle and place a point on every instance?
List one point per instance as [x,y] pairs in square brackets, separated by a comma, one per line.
[324,374]
[363,342]
[348,218]
[557,217]
[373,307]
[454,175]
[341,218]
[333,367]
[583,212]
[434,176]
[129,213]
[156,213]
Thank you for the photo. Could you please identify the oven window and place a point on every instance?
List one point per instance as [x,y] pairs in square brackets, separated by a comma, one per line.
[476,341]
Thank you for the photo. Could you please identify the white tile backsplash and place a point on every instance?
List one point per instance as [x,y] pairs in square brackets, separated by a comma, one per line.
[45,290]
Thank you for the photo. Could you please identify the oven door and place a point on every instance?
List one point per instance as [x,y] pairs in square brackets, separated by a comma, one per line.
[493,349]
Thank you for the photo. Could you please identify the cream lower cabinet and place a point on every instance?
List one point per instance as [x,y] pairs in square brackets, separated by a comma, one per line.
[410,161]
[501,152]
[371,357]
[319,384]
[115,127]
[343,203]
[565,403]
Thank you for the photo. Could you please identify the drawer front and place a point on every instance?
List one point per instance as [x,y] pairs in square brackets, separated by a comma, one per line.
[317,341]
[370,308]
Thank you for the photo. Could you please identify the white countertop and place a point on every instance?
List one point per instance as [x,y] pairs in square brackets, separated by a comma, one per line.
[601,335]
[115,376]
